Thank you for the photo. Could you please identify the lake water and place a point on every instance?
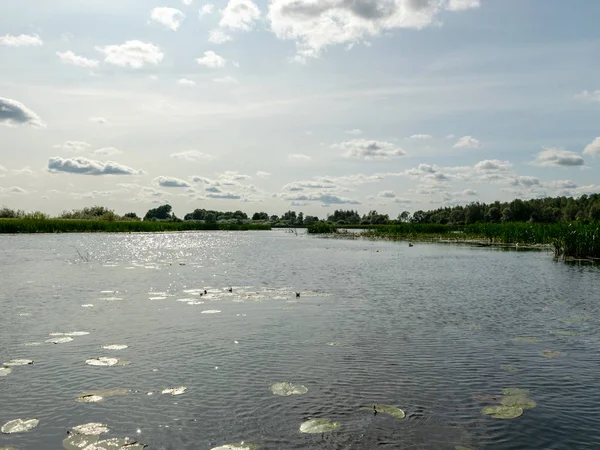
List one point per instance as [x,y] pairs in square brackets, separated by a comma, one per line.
[426,329]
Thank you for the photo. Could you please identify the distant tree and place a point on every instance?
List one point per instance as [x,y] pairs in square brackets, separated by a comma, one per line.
[492,215]
[260,216]
[457,216]
[310,219]
[131,216]
[300,219]
[419,217]
[404,216]
[160,213]
[274,218]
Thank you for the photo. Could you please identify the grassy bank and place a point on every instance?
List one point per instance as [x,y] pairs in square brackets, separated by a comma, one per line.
[575,240]
[90,226]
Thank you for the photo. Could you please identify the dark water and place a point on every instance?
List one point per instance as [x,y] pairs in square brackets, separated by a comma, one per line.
[424,328]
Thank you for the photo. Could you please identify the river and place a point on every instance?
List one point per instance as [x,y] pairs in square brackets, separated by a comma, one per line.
[429,329]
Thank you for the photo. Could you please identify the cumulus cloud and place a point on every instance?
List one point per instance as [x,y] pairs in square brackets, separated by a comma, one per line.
[170,18]
[298,157]
[387,194]
[226,80]
[325,198]
[218,37]
[557,157]
[369,150]
[240,15]
[232,175]
[492,165]
[85,166]
[100,120]
[589,96]
[71,58]
[428,173]
[73,146]
[593,148]
[316,25]
[11,190]
[469,192]
[206,9]
[355,131]
[192,156]
[134,54]
[107,151]
[14,113]
[224,196]
[468,142]
[525,181]
[211,60]
[170,182]
[302,185]
[22,40]
[186,82]
[420,137]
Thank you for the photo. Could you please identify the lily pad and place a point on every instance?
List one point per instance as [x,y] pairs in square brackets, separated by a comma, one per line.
[238,446]
[335,344]
[508,368]
[92,428]
[515,391]
[5,371]
[519,401]
[60,340]
[99,396]
[90,398]
[566,333]
[319,426]
[87,305]
[174,391]
[286,389]
[529,339]
[77,441]
[77,333]
[502,412]
[18,362]
[552,354]
[102,361]
[32,344]
[115,444]
[210,311]
[387,409]
[115,347]
[576,319]
[19,425]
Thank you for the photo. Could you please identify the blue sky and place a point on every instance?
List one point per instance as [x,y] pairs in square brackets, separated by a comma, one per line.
[311,105]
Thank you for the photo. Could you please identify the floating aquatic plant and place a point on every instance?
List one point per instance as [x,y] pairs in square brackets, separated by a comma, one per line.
[18,362]
[60,340]
[102,361]
[319,426]
[5,371]
[92,428]
[531,340]
[174,391]
[286,389]
[553,354]
[566,333]
[77,441]
[508,368]
[502,412]
[576,319]
[99,396]
[518,401]
[83,442]
[210,311]
[239,446]
[115,347]
[90,398]
[335,344]
[387,409]
[19,425]
[31,344]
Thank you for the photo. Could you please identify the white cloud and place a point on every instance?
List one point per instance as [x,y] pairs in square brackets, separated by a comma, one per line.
[11,190]
[261,174]
[224,196]
[369,150]
[490,165]
[14,113]
[428,173]
[299,157]
[107,151]
[355,131]
[100,120]
[170,18]
[326,198]
[525,181]
[187,2]
[557,157]
[469,192]
[170,182]
[3,169]
[85,166]
[22,40]
[309,184]
[69,57]
[186,82]
[232,175]
[218,37]
[73,146]
[132,53]
[226,80]
[206,9]
[316,25]
[211,60]
[240,15]
[24,171]
[192,156]
[593,148]
[387,194]
[420,137]
[593,96]
[468,142]
[461,5]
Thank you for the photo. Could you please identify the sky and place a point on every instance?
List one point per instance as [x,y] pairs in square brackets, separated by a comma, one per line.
[305,105]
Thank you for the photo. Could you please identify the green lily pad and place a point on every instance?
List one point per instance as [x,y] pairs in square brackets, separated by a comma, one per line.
[528,339]
[566,333]
[99,396]
[335,344]
[286,389]
[77,441]
[319,426]
[91,398]
[552,354]
[102,361]
[576,319]
[115,347]
[238,446]
[91,429]
[174,391]
[19,425]
[508,368]
[31,344]
[502,412]
[115,444]
[5,371]
[515,391]
[387,409]
[60,340]
[519,401]
[18,362]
